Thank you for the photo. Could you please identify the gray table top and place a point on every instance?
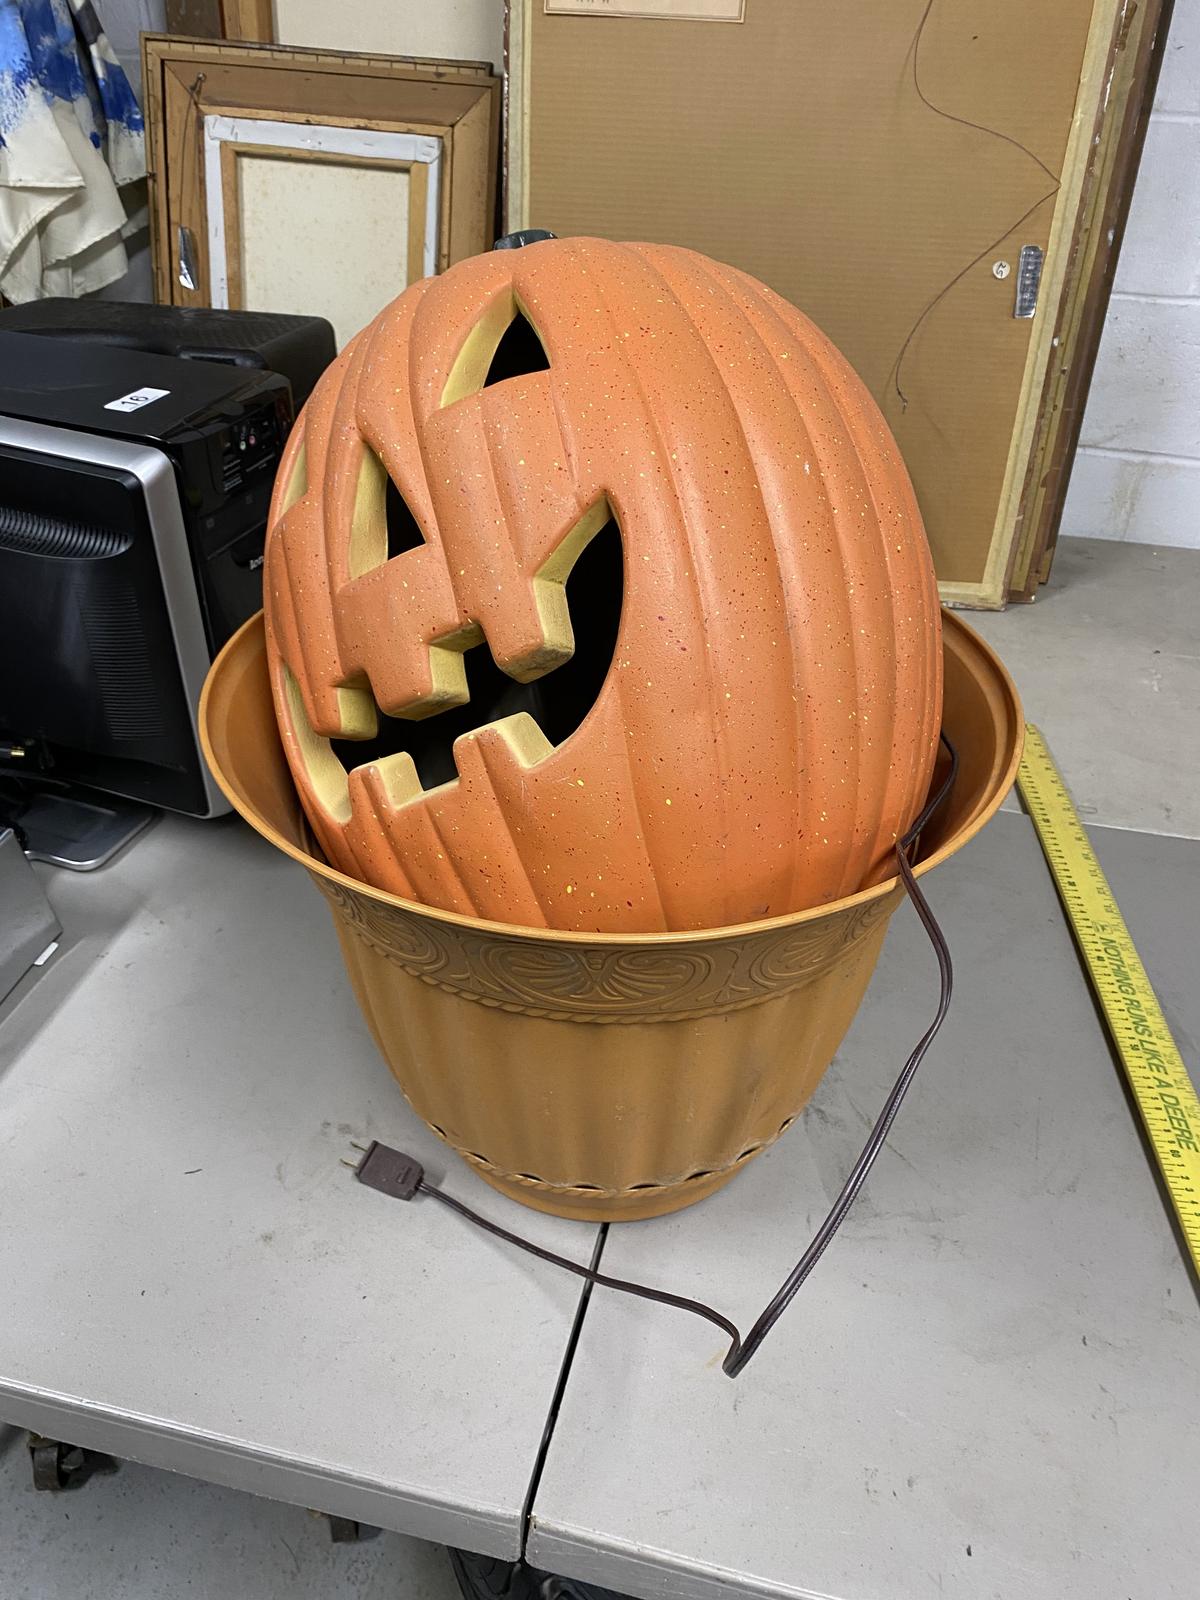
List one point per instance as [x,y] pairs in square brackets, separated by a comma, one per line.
[989,1386]
[192,1278]
[978,1393]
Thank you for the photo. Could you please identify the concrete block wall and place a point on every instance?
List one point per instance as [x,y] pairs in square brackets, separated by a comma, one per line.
[469,30]
[1137,473]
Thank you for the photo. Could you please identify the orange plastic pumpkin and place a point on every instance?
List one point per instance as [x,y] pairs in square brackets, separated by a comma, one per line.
[698,460]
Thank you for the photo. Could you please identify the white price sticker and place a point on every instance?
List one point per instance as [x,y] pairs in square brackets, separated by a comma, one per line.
[136,400]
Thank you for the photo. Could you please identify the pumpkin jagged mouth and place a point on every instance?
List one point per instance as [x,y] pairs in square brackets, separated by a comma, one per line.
[535,704]
[534,717]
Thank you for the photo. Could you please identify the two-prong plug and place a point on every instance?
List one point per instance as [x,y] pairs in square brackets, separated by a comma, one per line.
[393,1173]
[390,1171]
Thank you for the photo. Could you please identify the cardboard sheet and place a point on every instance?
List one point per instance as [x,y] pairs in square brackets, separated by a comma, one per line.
[801,146]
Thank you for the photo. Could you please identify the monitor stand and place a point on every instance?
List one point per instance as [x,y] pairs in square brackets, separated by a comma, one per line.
[69,831]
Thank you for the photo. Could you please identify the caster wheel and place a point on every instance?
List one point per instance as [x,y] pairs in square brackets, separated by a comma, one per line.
[485,1578]
[49,1462]
[58,1466]
[344,1530]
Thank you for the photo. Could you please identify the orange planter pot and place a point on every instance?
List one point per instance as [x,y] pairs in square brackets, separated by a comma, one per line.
[605,1077]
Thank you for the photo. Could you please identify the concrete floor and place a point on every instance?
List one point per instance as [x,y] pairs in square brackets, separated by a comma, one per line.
[1108,663]
[138,1534]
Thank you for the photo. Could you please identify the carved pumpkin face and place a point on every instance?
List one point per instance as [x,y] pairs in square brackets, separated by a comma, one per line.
[751,716]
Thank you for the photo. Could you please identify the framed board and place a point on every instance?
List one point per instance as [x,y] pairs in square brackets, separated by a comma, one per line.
[370,199]
[902,170]
[296,180]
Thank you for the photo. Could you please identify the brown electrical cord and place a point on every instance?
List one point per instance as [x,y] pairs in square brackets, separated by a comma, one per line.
[741,1350]
[697,1307]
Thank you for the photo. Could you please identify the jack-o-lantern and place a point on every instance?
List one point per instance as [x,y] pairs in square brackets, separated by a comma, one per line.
[598,598]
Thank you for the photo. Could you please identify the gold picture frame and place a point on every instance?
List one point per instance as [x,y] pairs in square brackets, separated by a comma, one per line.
[419,138]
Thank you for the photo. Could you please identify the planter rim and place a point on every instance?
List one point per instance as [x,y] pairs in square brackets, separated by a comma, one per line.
[650,940]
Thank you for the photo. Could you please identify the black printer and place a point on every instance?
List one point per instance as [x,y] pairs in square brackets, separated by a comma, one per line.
[134,490]
[297,347]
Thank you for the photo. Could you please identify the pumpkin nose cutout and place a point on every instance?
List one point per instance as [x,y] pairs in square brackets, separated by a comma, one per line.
[511,517]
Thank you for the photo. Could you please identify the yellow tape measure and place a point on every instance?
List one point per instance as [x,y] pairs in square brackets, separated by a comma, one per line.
[1164,1093]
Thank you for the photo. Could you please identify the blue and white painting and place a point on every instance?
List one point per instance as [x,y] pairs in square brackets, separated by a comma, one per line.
[71,135]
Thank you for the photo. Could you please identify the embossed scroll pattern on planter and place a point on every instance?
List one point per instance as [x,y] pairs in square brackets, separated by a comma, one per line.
[601,983]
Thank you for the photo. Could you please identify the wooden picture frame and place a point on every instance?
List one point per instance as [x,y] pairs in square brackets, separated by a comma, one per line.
[251,20]
[232,142]
[248,19]
[216,112]
[991,490]
[1131,71]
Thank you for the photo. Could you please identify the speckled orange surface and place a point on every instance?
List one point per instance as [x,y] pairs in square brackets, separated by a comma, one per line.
[769,722]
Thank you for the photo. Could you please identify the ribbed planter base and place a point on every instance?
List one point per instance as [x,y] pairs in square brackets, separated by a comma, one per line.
[607,1077]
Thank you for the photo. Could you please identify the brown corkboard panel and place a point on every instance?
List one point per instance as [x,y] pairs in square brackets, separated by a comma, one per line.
[798,145]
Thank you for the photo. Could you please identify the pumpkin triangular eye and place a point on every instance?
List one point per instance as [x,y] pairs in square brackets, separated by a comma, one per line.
[504,343]
[382,524]
[519,351]
[403,529]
